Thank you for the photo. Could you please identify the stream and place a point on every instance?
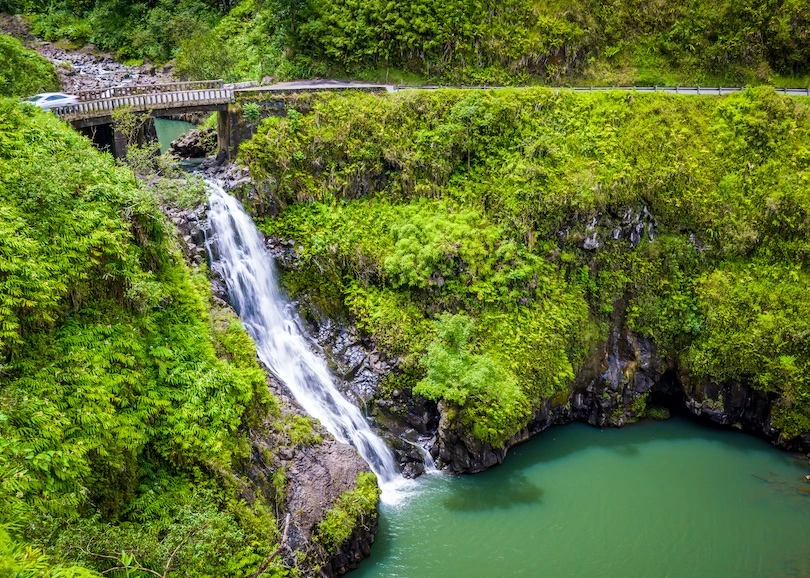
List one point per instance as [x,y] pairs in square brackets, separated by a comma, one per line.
[169,130]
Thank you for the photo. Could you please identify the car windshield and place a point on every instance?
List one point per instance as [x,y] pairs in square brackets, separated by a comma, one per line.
[32,98]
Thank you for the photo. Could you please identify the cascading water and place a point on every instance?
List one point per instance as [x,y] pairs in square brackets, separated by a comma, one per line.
[238,254]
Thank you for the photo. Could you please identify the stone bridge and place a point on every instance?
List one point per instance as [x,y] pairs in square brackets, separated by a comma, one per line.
[94,114]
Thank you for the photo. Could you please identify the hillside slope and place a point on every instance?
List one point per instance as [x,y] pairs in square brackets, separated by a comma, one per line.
[471,42]
[136,426]
[23,72]
[490,241]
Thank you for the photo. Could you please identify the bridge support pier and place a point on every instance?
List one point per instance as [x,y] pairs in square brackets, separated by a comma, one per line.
[119,144]
[106,137]
[145,133]
[224,132]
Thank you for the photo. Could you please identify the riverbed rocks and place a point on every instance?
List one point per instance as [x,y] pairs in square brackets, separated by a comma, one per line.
[85,68]
[195,144]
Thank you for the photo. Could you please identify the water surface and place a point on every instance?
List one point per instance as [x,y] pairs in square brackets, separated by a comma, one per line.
[169,130]
[658,499]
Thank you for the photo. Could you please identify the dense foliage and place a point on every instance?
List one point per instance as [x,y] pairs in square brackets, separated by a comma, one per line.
[124,398]
[618,41]
[470,41]
[131,29]
[488,238]
[23,72]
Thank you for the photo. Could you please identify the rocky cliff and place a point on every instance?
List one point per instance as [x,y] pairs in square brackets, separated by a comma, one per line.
[295,463]
[625,379]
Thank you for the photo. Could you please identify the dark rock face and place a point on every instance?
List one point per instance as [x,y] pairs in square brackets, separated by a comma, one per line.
[316,475]
[608,389]
[408,422]
[359,366]
[191,225]
[354,550]
[631,224]
[195,144]
[734,404]
[613,388]
[460,452]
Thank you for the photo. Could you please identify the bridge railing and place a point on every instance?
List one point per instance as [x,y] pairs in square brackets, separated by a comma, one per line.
[119,91]
[144,102]
[691,90]
[707,90]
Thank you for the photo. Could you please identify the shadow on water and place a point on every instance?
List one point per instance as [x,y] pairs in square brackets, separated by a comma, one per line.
[515,490]
[796,568]
[549,445]
[626,450]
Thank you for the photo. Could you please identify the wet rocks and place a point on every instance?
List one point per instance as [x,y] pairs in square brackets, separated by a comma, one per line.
[314,476]
[236,179]
[195,144]
[612,387]
[631,224]
[354,360]
[406,421]
[191,225]
[283,251]
[409,423]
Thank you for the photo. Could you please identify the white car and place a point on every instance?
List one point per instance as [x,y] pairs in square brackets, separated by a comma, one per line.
[48,100]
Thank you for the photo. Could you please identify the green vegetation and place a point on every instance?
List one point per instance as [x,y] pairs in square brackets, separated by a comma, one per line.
[23,72]
[125,398]
[622,41]
[132,30]
[353,508]
[451,226]
[491,401]
[452,41]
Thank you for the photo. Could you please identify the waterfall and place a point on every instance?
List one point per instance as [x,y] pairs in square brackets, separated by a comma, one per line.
[238,254]
[427,459]
[430,464]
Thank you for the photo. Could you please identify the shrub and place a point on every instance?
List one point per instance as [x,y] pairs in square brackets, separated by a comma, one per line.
[23,72]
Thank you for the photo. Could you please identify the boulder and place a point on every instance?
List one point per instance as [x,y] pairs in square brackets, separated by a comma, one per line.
[195,144]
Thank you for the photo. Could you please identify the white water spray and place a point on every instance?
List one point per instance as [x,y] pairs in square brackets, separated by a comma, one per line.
[427,459]
[238,254]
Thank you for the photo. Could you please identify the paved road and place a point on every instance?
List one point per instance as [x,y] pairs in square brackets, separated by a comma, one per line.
[315,85]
